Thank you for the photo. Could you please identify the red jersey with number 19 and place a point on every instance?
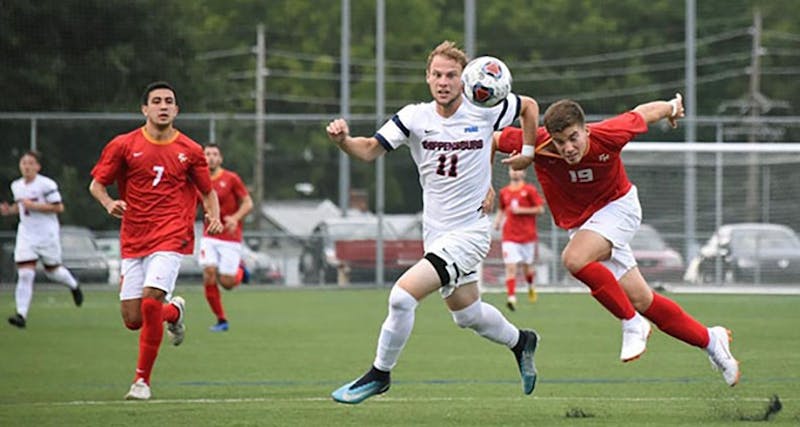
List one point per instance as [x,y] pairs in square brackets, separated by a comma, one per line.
[158,180]
[230,192]
[576,192]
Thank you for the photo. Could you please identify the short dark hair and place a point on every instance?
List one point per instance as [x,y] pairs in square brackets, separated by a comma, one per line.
[157,85]
[563,114]
[33,153]
[211,145]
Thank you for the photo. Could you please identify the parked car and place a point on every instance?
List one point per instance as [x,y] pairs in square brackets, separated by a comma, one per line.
[109,246]
[657,261]
[344,249]
[79,253]
[748,253]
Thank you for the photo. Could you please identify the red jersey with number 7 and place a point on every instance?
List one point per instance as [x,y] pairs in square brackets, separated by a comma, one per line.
[575,192]
[159,181]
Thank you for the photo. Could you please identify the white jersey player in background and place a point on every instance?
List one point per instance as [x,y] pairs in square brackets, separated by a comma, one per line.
[450,142]
[38,203]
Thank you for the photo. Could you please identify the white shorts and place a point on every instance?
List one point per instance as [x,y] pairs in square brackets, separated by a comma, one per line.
[515,253]
[223,254]
[617,221]
[49,251]
[158,270]
[462,250]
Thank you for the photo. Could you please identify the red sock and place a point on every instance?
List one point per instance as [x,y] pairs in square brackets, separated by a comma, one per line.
[670,318]
[511,286]
[149,338]
[169,313]
[529,278]
[214,300]
[239,274]
[606,290]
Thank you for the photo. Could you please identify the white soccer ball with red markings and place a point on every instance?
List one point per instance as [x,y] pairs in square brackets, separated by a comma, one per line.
[487,81]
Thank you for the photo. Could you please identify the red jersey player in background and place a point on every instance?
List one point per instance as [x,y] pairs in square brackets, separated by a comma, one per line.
[158,171]
[580,170]
[221,254]
[519,204]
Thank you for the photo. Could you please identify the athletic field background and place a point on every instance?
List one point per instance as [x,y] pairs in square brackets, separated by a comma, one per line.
[288,349]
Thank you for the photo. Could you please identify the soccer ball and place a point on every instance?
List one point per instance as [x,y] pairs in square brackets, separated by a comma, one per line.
[487,81]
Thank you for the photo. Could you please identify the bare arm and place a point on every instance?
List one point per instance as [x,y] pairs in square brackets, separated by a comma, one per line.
[361,147]
[42,206]
[245,206]
[498,219]
[211,207]
[115,208]
[532,210]
[7,209]
[654,111]
[529,121]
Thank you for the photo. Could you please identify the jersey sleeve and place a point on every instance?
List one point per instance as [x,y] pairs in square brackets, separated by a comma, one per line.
[110,162]
[198,170]
[507,111]
[51,193]
[535,198]
[395,132]
[501,200]
[511,139]
[619,130]
[239,190]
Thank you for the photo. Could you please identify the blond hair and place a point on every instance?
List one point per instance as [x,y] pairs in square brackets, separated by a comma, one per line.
[449,50]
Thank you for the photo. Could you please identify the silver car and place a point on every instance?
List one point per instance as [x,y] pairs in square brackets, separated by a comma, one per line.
[748,253]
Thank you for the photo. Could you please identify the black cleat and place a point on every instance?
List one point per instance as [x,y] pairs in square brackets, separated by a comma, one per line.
[77,296]
[17,320]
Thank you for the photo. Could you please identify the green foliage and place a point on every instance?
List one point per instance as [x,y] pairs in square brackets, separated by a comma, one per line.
[93,55]
[287,350]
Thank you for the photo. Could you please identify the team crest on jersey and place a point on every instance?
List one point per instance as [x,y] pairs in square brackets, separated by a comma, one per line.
[223,184]
[182,157]
[603,157]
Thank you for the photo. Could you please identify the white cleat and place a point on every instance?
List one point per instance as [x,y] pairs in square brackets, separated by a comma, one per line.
[719,353]
[139,391]
[177,330]
[634,338]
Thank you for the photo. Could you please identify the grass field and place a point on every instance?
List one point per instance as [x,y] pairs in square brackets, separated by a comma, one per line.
[287,350]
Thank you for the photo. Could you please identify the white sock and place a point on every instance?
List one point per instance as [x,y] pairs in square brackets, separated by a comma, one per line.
[63,276]
[24,292]
[395,329]
[488,322]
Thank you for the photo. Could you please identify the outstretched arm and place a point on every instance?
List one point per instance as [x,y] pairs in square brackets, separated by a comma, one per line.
[529,121]
[654,111]
[360,147]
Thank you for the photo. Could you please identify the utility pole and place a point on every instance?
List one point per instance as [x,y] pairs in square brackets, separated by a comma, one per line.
[344,107]
[690,186]
[380,106]
[258,173]
[754,98]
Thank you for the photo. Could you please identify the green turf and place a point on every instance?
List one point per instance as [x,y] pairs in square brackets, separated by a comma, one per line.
[287,350]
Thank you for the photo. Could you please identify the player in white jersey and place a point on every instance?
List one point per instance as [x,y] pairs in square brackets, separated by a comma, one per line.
[38,203]
[450,142]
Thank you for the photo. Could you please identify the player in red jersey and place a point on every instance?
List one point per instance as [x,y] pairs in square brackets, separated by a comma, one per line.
[221,254]
[519,204]
[589,194]
[158,171]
